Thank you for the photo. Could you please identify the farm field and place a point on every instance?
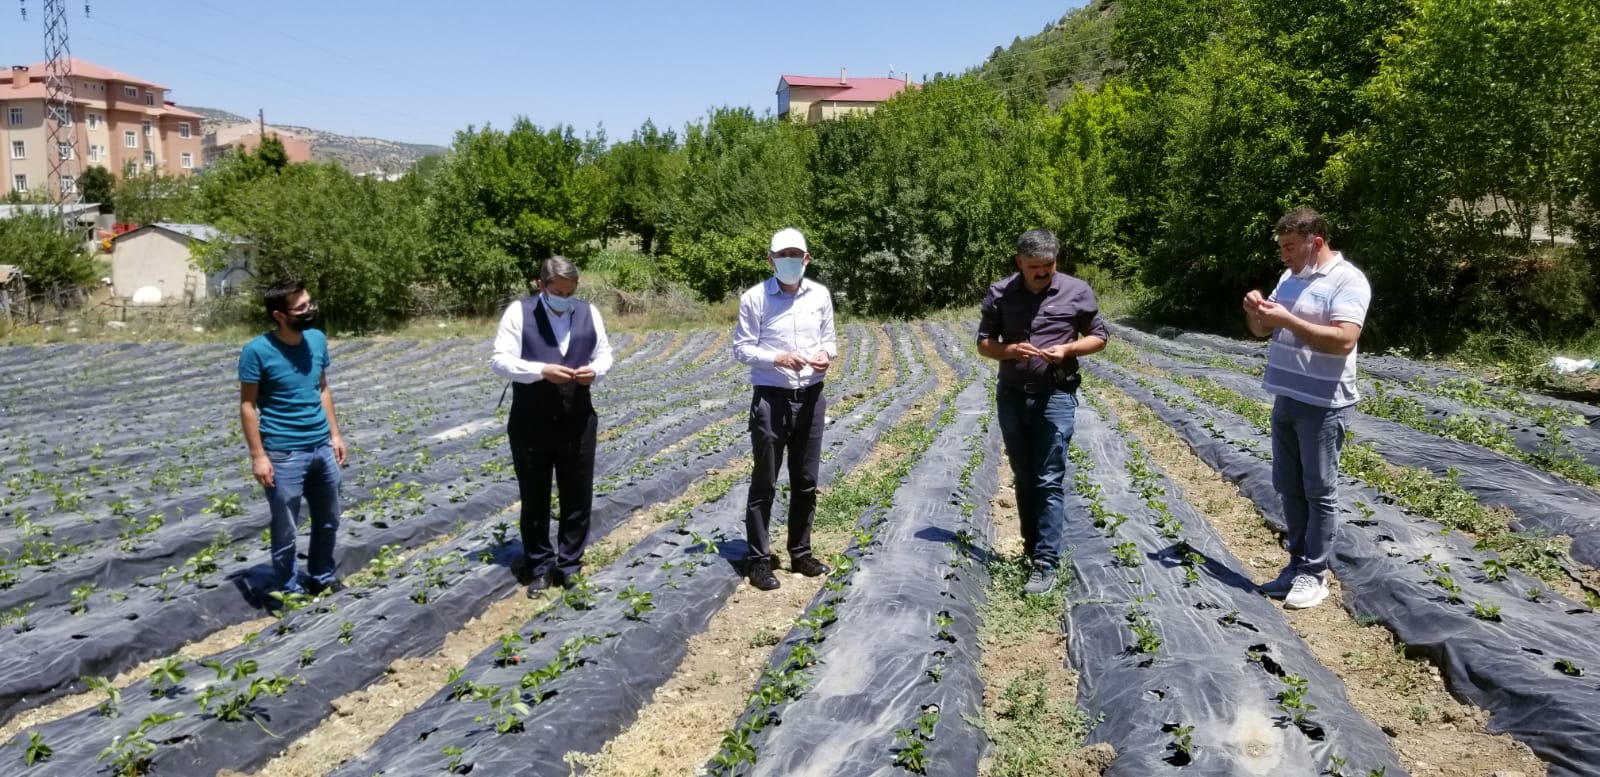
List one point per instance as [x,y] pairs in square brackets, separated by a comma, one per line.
[1461,639]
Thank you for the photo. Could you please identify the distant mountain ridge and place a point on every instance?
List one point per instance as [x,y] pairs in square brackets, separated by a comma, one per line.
[356,154]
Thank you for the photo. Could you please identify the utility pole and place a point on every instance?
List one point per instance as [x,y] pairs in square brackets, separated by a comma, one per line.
[261,124]
[62,151]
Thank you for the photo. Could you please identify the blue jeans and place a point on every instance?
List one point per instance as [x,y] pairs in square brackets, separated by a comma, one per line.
[1306,441]
[314,475]
[1036,429]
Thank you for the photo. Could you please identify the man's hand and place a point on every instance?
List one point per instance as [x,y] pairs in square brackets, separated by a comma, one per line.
[1023,351]
[339,451]
[261,467]
[1252,302]
[819,361]
[584,375]
[790,360]
[557,374]
[1272,315]
[1055,353]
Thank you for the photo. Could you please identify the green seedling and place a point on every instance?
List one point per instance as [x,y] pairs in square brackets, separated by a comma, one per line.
[912,755]
[1484,611]
[347,632]
[1292,699]
[453,754]
[1494,570]
[1126,554]
[36,751]
[113,703]
[581,596]
[639,602]
[79,603]
[508,654]
[308,656]
[167,677]
[1567,667]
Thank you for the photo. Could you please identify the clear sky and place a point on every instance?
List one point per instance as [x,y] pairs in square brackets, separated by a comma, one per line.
[419,71]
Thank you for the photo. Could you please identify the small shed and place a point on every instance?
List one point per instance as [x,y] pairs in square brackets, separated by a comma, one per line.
[158,256]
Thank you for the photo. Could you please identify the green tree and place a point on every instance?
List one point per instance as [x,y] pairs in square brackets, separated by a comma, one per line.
[640,174]
[503,202]
[272,153]
[356,243]
[49,255]
[743,179]
[149,197]
[97,185]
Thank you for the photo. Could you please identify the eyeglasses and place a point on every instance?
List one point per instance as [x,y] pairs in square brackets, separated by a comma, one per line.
[306,308]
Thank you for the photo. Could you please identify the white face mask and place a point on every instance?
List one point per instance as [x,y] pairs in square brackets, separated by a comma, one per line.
[789,269]
[557,304]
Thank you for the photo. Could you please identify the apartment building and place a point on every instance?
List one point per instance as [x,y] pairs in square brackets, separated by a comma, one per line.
[246,137]
[120,122]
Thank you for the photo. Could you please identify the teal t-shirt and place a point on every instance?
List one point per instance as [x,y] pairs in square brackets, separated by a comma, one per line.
[290,389]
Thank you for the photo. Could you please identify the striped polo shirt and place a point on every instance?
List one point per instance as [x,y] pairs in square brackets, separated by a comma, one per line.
[1335,292]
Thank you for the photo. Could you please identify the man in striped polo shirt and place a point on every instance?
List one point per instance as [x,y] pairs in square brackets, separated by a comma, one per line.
[1314,316]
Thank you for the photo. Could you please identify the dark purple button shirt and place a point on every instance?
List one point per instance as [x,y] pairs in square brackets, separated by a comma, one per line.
[1061,314]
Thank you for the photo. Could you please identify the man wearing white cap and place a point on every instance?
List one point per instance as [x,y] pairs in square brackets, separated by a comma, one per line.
[785,333]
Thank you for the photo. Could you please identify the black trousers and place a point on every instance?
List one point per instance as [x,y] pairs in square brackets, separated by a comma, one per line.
[784,420]
[565,447]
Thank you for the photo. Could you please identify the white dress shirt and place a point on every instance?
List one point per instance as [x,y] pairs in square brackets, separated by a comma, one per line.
[773,321]
[507,361]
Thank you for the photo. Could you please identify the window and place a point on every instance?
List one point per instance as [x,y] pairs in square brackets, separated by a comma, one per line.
[149,97]
[65,150]
[147,127]
[63,116]
[16,116]
[19,183]
[94,121]
[94,152]
[68,184]
[186,160]
[149,159]
[19,150]
[130,139]
[128,91]
[183,129]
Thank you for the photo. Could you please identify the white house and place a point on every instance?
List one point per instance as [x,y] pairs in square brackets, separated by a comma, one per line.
[153,264]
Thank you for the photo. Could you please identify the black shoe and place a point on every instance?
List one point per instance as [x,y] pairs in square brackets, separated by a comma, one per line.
[1041,581]
[760,571]
[521,570]
[317,589]
[565,579]
[538,585]
[809,566]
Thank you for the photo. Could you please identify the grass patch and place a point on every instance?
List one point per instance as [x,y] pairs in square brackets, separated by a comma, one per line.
[1035,730]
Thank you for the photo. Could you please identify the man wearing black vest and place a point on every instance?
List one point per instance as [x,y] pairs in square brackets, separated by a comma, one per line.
[552,347]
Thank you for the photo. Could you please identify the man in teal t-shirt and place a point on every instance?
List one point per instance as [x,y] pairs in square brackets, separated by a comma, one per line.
[296,450]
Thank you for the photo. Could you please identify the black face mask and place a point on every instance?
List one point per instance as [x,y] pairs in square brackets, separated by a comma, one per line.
[303,321]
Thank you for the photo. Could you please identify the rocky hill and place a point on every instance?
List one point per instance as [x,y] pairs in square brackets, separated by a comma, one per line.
[356,154]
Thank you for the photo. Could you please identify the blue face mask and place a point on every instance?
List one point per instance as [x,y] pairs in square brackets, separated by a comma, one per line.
[789,269]
[557,304]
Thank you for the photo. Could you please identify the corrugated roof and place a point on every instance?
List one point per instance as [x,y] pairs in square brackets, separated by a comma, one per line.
[861,90]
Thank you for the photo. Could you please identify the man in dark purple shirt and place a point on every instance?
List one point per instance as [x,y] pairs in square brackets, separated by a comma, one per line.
[1036,323]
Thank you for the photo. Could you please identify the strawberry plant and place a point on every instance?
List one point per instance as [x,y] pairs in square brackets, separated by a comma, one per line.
[1484,611]
[1292,699]
[79,603]
[912,755]
[1126,554]
[167,677]
[113,703]
[36,750]
[639,602]
[1568,668]
[453,754]
[506,654]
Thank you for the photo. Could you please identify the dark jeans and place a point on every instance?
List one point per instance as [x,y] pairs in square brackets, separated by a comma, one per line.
[314,476]
[566,447]
[1306,441]
[1036,429]
[784,420]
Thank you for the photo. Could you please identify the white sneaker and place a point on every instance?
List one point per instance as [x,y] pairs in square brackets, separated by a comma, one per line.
[1307,591]
[1279,586]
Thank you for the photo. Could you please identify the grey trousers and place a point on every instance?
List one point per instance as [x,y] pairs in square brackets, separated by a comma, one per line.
[1306,441]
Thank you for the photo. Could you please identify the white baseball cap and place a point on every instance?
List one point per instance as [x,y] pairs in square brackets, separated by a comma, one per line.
[788,237]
